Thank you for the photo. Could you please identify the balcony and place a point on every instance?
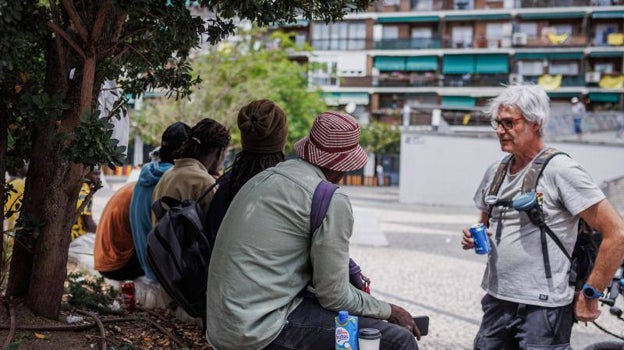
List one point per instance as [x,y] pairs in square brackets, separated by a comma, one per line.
[480,80]
[339,44]
[556,3]
[408,79]
[408,44]
[569,41]
[356,81]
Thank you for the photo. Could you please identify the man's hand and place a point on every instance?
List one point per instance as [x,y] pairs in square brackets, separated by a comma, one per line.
[586,310]
[467,241]
[401,317]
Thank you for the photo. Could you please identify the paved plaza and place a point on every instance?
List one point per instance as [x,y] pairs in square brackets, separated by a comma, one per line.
[412,254]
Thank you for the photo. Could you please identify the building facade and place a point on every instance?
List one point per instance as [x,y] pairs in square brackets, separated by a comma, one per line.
[403,59]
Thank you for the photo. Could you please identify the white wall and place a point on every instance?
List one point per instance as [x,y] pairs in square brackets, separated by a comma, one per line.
[446,169]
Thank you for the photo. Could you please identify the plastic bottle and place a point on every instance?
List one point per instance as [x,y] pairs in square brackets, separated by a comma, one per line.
[128,294]
[346,331]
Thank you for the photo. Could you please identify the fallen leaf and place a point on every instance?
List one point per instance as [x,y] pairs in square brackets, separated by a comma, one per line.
[40,336]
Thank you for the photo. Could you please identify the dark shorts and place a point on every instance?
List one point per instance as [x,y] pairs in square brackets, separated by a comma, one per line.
[310,327]
[508,325]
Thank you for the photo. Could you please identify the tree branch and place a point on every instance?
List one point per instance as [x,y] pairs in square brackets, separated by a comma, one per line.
[76,21]
[60,32]
[96,32]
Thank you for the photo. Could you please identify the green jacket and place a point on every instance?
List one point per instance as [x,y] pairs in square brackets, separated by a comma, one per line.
[264,256]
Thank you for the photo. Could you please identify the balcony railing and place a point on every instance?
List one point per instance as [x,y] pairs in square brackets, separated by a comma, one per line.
[339,44]
[556,3]
[475,80]
[412,43]
[571,41]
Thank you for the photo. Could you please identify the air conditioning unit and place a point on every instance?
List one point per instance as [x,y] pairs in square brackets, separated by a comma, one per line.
[519,39]
[592,77]
[515,79]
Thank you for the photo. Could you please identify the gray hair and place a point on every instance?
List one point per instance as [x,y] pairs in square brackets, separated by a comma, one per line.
[529,99]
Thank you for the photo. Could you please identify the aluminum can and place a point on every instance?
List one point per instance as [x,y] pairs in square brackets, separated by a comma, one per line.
[127,295]
[480,237]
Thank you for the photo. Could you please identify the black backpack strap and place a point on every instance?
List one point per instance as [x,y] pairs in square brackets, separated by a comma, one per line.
[158,208]
[501,171]
[529,184]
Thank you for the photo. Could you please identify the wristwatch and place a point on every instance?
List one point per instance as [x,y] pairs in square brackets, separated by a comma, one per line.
[591,293]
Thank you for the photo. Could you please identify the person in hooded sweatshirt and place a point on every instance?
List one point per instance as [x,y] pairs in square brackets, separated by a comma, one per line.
[141,204]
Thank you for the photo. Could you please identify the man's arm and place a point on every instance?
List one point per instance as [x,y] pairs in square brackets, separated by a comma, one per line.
[603,217]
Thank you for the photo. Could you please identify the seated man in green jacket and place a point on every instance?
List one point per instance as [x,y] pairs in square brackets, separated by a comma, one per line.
[265,257]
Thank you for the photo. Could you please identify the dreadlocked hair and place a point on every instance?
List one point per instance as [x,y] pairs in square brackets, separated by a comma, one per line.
[204,138]
[247,164]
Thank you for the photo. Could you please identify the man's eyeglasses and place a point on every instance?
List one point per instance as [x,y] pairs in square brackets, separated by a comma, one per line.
[507,124]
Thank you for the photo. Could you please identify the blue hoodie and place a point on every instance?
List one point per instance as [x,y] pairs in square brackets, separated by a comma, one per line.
[141,210]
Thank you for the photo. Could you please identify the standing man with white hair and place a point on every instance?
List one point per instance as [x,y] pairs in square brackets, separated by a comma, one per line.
[529,303]
[265,256]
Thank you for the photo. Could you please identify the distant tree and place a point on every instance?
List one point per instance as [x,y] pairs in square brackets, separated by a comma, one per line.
[233,74]
[381,138]
[54,57]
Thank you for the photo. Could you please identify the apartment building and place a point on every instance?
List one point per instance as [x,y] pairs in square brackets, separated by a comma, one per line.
[403,59]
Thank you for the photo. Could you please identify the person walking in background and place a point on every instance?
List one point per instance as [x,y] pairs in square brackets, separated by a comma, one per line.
[380,174]
[578,112]
[263,129]
[114,254]
[265,256]
[85,222]
[524,307]
[141,204]
[199,156]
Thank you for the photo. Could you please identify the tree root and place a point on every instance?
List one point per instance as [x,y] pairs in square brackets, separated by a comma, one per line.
[76,328]
[100,326]
[171,336]
[12,327]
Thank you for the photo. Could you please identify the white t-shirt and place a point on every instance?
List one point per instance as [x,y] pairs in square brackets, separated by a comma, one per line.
[515,271]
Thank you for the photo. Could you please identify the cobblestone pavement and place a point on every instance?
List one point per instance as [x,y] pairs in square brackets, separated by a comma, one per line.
[423,268]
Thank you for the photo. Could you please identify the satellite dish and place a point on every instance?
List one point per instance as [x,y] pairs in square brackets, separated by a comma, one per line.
[350,107]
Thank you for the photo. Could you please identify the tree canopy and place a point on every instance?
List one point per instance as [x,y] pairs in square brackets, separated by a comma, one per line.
[233,74]
[54,57]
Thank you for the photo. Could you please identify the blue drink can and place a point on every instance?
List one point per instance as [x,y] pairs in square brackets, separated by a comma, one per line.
[480,237]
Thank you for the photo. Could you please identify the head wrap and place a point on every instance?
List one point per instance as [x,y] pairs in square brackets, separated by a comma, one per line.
[263,127]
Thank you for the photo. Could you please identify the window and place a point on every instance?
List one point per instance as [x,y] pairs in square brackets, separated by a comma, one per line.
[421,33]
[390,32]
[563,29]
[530,29]
[391,2]
[564,68]
[603,31]
[339,36]
[323,73]
[604,68]
[530,68]
[462,37]
[422,5]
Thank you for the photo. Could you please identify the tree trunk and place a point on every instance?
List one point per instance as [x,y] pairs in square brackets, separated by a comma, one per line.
[50,267]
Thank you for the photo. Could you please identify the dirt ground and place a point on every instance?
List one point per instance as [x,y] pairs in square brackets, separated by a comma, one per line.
[138,330]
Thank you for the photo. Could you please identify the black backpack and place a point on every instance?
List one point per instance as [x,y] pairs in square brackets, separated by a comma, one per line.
[588,240]
[179,252]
